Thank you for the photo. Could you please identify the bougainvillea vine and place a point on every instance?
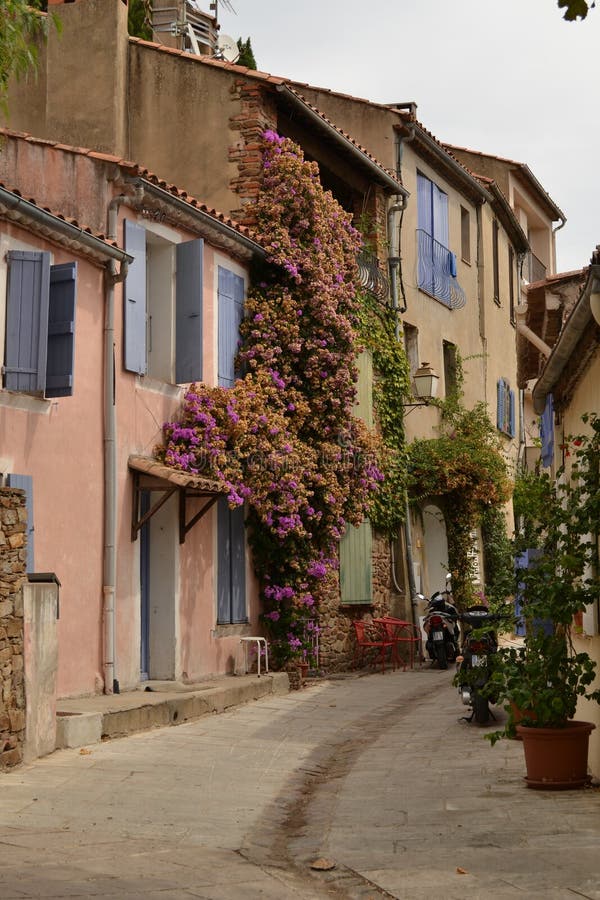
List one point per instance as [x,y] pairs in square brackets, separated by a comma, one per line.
[283,440]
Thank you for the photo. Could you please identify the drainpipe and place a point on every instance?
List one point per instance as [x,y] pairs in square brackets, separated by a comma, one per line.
[111,683]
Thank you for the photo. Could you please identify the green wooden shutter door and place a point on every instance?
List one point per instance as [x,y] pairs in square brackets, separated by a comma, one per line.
[363,407]
[356,567]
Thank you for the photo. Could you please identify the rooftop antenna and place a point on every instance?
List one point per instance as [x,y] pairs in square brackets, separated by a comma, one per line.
[226,4]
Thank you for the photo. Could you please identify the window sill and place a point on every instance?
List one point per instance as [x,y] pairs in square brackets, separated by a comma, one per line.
[25,402]
[239,629]
[147,383]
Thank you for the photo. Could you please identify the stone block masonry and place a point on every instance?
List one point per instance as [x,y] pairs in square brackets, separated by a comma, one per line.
[13,558]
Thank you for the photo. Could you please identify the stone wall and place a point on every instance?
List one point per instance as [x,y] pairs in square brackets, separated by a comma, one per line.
[336,650]
[13,558]
[257,114]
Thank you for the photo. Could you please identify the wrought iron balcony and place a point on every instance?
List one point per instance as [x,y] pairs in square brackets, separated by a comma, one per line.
[437,271]
[370,277]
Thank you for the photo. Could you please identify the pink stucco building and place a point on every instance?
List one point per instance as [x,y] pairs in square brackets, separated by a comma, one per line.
[116,291]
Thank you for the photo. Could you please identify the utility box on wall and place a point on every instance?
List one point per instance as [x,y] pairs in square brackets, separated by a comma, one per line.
[40,613]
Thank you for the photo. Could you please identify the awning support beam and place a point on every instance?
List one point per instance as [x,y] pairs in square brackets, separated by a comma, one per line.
[184,526]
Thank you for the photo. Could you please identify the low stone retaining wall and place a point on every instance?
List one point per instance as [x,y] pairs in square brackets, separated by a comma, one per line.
[13,558]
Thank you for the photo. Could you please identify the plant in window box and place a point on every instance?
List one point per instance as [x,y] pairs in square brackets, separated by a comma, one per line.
[541,682]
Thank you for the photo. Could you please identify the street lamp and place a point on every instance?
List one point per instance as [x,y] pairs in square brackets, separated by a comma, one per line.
[425,386]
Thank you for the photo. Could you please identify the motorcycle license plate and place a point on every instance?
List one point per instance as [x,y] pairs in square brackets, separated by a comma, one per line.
[477,660]
[438,635]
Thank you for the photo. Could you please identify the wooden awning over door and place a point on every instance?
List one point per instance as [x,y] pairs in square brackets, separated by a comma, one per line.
[151,475]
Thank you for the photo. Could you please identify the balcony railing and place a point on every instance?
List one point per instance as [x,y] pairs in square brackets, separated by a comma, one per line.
[370,277]
[437,271]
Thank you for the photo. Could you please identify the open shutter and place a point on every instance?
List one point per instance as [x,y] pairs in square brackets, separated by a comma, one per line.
[363,405]
[223,563]
[27,321]
[500,405]
[440,215]
[424,204]
[356,579]
[511,413]
[231,311]
[61,330]
[238,565]
[188,327]
[134,312]
[25,483]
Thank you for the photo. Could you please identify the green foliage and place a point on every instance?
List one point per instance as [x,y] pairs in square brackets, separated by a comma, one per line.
[498,558]
[246,57]
[575,9]
[464,469]
[139,19]
[377,331]
[545,677]
[21,27]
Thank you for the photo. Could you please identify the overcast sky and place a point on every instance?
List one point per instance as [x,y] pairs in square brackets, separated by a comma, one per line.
[508,77]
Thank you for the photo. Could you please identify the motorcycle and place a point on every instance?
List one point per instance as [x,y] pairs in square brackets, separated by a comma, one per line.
[441,627]
[475,661]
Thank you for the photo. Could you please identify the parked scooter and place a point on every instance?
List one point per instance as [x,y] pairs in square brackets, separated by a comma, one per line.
[479,644]
[441,626]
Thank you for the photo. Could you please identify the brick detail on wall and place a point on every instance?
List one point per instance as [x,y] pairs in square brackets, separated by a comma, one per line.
[13,556]
[257,113]
[336,646]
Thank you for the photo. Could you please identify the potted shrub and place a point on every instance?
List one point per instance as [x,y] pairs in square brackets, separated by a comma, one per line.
[541,682]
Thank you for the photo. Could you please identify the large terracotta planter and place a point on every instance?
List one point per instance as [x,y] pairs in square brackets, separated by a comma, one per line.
[556,758]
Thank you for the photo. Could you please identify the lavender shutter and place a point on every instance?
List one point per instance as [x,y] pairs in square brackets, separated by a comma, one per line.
[231,555]
[134,311]
[223,563]
[231,311]
[500,405]
[238,565]
[424,204]
[25,483]
[27,321]
[188,327]
[511,413]
[61,330]
[440,215]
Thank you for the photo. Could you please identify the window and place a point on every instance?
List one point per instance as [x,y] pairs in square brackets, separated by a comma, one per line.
[230,294]
[465,235]
[511,284]
[356,567]
[495,261]
[411,347]
[40,325]
[436,264]
[231,572]
[25,483]
[163,306]
[506,408]
[450,368]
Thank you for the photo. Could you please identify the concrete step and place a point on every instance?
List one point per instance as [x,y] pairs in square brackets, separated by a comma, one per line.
[87,720]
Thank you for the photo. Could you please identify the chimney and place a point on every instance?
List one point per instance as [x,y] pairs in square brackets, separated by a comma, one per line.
[181,25]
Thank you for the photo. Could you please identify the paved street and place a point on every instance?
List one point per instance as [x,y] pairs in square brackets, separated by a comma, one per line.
[374,773]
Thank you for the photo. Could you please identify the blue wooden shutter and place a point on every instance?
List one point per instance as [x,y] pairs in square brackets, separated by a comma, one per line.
[231,561]
[61,330]
[27,321]
[424,204]
[134,312]
[188,325]
[238,565]
[440,215]
[511,413]
[356,566]
[231,311]
[25,483]
[223,563]
[500,405]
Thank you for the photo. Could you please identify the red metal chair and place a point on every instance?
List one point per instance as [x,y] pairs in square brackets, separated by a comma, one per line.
[401,632]
[370,637]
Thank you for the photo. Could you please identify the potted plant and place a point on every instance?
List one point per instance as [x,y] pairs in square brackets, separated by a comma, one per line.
[541,682]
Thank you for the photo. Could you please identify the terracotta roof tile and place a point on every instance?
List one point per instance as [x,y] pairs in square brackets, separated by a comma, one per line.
[135,169]
[58,215]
